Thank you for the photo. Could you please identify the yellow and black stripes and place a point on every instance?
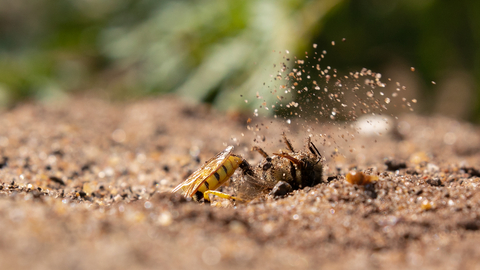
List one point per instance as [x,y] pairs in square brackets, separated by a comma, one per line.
[221,175]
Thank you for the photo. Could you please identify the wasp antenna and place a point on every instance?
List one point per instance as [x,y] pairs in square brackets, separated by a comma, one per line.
[287,142]
[287,156]
[260,150]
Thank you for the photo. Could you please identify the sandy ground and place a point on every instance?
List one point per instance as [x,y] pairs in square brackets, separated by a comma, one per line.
[85,185]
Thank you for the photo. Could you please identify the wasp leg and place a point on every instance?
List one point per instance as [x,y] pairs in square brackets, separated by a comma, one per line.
[313,148]
[221,195]
[246,168]
[287,142]
[260,150]
[287,156]
[309,145]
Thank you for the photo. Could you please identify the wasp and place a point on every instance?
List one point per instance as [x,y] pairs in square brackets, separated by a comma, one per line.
[291,168]
[213,174]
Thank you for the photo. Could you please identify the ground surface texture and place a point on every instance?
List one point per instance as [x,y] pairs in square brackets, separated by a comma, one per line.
[85,185]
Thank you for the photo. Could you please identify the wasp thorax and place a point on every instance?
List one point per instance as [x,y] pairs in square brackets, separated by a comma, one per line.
[297,168]
[274,169]
[311,171]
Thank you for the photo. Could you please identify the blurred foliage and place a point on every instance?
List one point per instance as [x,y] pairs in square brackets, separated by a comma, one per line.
[216,51]
[210,51]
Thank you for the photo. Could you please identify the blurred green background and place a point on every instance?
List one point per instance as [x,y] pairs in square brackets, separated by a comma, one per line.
[215,51]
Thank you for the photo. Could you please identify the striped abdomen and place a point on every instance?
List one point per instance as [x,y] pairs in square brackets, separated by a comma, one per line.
[223,173]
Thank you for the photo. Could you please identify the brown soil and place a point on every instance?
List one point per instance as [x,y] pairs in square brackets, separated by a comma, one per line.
[85,186]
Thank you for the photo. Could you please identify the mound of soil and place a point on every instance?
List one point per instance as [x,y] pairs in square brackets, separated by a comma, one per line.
[85,184]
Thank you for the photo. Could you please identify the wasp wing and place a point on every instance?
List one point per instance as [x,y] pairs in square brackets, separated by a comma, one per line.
[248,187]
[196,179]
